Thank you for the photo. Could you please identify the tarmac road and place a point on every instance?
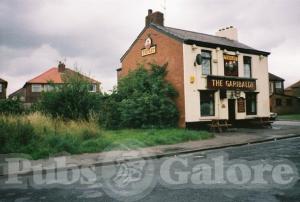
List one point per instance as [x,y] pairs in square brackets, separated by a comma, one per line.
[273,151]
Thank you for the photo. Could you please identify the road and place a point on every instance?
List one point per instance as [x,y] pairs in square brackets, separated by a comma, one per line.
[284,149]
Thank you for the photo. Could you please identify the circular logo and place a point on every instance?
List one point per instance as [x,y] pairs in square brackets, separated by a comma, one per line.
[131,176]
[148,43]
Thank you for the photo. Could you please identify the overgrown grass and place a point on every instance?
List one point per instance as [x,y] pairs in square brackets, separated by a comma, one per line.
[41,136]
[295,117]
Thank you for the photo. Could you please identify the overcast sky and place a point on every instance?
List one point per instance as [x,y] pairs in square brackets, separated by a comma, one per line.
[93,34]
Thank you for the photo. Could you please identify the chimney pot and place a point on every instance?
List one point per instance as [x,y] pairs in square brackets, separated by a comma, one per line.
[61,67]
[156,18]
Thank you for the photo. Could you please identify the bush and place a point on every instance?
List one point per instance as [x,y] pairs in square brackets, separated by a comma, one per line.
[143,99]
[71,100]
[16,136]
[11,107]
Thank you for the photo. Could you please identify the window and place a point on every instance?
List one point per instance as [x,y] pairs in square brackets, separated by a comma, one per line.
[0,87]
[207,103]
[231,65]
[247,67]
[278,102]
[36,88]
[48,87]
[289,102]
[206,62]
[251,103]
[278,85]
[93,88]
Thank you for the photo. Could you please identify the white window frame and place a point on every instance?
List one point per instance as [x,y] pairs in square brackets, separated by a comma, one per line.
[33,86]
[94,88]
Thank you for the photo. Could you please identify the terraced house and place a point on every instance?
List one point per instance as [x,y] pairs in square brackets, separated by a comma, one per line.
[217,77]
[3,87]
[32,89]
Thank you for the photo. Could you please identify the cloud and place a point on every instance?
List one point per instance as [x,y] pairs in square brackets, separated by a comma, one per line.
[93,34]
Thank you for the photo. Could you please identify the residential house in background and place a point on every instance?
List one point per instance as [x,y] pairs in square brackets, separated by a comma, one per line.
[32,89]
[293,90]
[216,76]
[280,101]
[3,87]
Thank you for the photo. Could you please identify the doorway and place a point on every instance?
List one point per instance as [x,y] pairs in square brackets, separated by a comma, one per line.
[231,110]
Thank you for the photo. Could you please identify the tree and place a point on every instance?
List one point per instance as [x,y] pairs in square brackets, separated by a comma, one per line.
[143,99]
[71,100]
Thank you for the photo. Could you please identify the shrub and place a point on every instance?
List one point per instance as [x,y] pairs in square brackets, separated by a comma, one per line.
[11,107]
[71,100]
[143,99]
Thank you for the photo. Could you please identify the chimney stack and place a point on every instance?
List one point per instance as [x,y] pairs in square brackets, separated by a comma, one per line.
[228,32]
[156,18]
[61,67]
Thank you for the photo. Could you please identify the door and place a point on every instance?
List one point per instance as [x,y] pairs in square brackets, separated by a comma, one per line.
[231,110]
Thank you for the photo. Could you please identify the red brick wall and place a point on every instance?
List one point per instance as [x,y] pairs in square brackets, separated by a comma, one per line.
[168,50]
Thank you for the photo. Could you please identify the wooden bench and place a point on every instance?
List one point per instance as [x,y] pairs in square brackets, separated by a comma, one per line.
[265,121]
[219,125]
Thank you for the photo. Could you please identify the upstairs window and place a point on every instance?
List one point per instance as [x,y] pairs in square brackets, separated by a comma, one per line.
[207,103]
[36,88]
[247,67]
[251,104]
[279,87]
[231,65]
[93,88]
[206,62]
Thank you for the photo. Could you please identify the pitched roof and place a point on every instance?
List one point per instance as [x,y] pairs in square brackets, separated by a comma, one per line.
[206,40]
[19,92]
[54,76]
[273,77]
[2,81]
[295,85]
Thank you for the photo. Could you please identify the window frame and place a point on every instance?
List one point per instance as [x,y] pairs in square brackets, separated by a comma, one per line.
[94,88]
[40,88]
[206,58]
[250,97]
[278,102]
[209,93]
[247,59]
[225,67]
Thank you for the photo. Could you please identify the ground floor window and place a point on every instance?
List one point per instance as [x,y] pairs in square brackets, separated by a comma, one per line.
[278,102]
[251,103]
[207,103]
[289,102]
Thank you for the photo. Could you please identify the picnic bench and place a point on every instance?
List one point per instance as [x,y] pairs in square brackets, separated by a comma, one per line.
[219,125]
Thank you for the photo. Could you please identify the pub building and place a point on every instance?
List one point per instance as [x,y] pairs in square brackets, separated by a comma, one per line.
[217,77]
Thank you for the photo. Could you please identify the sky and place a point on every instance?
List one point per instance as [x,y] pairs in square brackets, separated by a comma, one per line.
[92,35]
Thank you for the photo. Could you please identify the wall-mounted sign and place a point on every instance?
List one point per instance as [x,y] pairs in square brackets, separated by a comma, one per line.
[149,48]
[229,83]
[241,105]
[231,65]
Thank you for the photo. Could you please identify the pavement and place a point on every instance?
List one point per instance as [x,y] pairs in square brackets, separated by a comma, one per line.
[270,151]
[231,138]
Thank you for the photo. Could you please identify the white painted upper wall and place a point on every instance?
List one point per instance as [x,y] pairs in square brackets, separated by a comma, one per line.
[192,95]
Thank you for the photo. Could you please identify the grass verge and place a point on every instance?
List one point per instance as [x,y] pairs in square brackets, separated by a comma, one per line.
[40,136]
[295,117]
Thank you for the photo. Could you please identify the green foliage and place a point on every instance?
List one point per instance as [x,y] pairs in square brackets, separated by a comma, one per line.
[11,107]
[71,100]
[143,99]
